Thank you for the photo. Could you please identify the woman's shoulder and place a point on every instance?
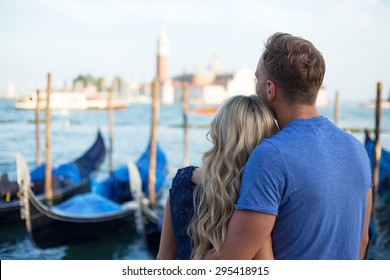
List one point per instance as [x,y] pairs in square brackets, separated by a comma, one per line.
[182,178]
[183,175]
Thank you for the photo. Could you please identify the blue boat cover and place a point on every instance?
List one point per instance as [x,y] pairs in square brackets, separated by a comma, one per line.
[116,187]
[87,203]
[161,169]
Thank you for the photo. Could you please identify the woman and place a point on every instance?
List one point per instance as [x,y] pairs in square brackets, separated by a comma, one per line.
[201,202]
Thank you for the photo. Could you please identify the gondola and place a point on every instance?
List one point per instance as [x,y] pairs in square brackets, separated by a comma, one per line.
[153,221]
[116,186]
[379,229]
[68,179]
[154,217]
[384,168]
[89,216]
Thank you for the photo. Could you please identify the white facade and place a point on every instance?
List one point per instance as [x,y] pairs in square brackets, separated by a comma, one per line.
[167,93]
[213,95]
[243,82]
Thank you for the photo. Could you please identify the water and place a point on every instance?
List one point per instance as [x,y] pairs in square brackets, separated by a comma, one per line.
[74,132]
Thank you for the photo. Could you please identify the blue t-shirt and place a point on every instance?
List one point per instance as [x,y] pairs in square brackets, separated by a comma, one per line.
[182,209]
[314,177]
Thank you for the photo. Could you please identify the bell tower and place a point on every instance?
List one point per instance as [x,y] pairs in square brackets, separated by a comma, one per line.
[162,56]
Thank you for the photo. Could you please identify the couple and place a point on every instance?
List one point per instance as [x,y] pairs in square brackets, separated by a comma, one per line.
[301,193]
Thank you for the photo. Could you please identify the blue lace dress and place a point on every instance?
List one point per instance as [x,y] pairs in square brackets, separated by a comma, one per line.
[182,210]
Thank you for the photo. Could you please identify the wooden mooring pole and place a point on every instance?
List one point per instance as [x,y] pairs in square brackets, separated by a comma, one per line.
[153,144]
[377,147]
[110,129]
[48,177]
[336,116]
[37,141]
[185,124]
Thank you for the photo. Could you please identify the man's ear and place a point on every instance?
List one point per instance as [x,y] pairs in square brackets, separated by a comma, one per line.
[271,90]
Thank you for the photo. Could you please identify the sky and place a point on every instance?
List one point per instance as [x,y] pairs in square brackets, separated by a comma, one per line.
[119,37]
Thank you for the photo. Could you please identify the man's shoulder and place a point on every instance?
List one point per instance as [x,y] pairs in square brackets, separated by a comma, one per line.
[268,154]
[278,142]
[349,140]
[267,146]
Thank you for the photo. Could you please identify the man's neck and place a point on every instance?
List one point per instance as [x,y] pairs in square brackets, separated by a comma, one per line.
[286,114]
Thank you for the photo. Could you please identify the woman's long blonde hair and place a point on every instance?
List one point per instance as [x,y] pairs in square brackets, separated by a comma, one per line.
[239,126]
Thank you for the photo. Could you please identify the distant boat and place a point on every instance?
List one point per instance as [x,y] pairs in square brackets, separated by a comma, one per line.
[90,216]
[69,179]
[385,104]
[102,104]
[60,101]
[210,110]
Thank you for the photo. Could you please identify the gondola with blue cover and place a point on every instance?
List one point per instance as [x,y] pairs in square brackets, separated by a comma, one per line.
[68,179]
[113,204]
[384,168]
[379,229]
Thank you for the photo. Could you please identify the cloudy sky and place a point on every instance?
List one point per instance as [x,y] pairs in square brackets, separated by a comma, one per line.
[118,37]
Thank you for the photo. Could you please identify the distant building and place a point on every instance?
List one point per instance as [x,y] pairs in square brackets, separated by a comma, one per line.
[214,85]
[207,87]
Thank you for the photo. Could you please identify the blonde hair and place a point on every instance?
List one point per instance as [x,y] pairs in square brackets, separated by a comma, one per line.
[239,126]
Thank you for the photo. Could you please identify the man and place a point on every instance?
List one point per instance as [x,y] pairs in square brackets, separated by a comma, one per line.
[309,185]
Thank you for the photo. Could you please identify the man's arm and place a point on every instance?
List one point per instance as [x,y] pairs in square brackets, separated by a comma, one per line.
[246,234]
[167,250]
[365,237]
